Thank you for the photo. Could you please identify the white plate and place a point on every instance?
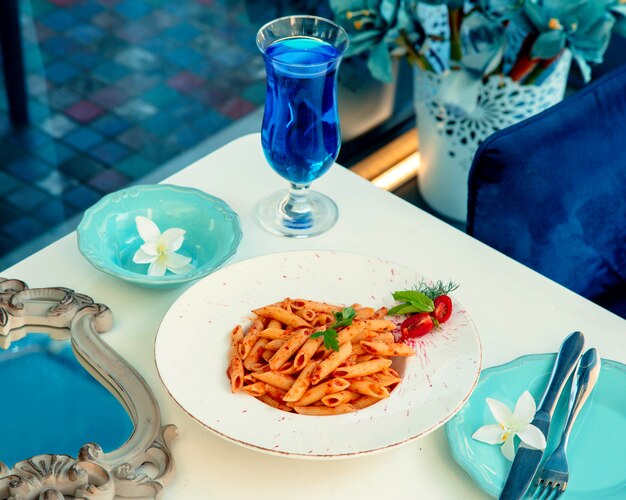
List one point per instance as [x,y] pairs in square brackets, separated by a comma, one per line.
[192,346]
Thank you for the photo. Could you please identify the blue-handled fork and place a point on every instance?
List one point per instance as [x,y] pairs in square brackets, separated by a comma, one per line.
[552,479]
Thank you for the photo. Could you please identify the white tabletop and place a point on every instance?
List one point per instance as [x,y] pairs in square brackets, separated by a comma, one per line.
[516,311]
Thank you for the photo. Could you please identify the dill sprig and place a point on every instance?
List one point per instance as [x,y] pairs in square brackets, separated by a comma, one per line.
[433,291]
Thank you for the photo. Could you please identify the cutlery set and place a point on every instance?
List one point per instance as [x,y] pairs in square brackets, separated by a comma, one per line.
[552,479]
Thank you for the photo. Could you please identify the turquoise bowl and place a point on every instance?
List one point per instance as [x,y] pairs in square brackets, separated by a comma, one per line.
[108,237]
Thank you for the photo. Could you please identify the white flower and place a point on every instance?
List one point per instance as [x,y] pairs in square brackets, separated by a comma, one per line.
[159,249]
[511,424]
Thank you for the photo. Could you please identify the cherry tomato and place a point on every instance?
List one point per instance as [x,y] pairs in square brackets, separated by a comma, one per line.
[416,325]
[443,308]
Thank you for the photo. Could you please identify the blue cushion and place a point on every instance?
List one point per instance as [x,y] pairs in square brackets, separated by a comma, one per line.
[551,192]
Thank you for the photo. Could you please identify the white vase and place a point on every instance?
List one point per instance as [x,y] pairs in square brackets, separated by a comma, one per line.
[455,113]
[364,102]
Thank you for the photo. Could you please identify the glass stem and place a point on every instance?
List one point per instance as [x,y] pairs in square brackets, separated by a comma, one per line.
[296,206]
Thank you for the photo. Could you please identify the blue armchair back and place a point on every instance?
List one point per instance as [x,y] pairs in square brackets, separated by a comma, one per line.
[551,192]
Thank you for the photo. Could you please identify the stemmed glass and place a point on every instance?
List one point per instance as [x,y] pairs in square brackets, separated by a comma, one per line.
[300,134]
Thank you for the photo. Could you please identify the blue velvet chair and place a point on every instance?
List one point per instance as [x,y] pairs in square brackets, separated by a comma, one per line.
[550,192]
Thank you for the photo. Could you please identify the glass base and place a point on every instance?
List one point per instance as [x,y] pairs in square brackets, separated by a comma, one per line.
[287,214]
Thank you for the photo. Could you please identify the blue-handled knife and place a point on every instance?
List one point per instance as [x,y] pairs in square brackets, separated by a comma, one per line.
[527,459]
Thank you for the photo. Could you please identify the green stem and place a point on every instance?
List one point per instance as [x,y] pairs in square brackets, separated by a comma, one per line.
[534,75]
[413,56]
[455,18]
[539,69]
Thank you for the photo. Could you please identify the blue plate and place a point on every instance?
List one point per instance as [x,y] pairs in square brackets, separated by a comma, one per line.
[597,446]
[108,237]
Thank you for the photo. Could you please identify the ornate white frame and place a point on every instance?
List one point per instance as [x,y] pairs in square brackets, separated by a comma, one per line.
[143,464]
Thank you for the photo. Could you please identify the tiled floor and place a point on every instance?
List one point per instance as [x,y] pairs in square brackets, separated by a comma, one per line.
[117,88]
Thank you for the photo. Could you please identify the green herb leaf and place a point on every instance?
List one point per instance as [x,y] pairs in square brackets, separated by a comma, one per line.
[404,309]
[420,301]
[343,318]
[330,340]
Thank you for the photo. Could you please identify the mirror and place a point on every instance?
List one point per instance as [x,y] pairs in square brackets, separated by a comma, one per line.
[67,373]
[49,389]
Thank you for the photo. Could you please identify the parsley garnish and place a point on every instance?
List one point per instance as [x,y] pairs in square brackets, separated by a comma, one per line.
[342,318]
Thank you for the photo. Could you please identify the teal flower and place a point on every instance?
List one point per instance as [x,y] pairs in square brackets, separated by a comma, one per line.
[583,26]
[380,27]
[482,43]
[500,10]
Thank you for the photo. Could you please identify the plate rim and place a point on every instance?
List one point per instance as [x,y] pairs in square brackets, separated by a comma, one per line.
[453,436]
[319,456]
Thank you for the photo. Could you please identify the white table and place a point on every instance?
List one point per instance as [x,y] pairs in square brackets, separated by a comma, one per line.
[516,311]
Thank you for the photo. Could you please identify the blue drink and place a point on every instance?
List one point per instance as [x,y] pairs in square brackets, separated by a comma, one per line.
[300,134]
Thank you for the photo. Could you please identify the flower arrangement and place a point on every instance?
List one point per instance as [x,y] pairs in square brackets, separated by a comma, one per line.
[520,39]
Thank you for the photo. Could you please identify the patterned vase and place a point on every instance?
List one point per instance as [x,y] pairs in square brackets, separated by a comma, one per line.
[455,113]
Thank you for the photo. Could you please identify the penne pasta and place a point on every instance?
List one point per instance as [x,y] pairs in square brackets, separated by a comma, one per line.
[273,323]
[274,333]
[349,332]
[282,315]
[364,402]
[379,325]
[306,314]
[235,372]
[380,313]
[340,398]
[363,369]
[324,410]
[249,339]
[267,354]
[274,345]
[301,384]
[383,349]
[288,368]
[330,363]
[257,389]
[255,355]
[364,313]
[279,380]
[277,362]
[364,335]
[316,393]
[315,306]
[306,352]
[236,335]
[387,338]
[289,347]
[322,319]
[369,388]
[385,378]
